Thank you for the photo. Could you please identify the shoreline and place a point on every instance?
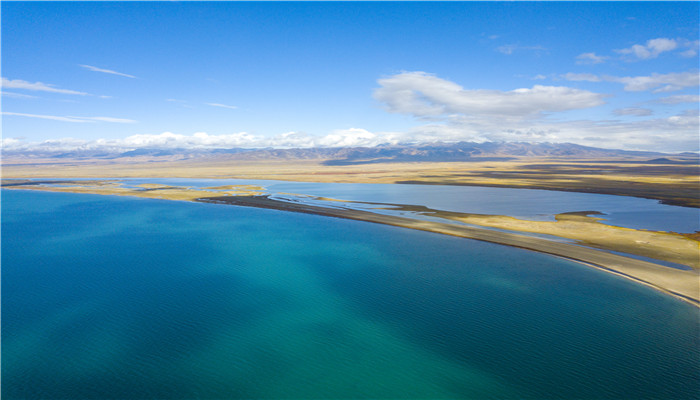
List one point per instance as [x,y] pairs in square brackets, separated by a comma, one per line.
[682,284]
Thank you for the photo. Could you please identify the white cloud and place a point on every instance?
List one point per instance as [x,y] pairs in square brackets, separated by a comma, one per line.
[636,111]
[590,58]
[582,77]
[422,94]
[509,49]
[106,71]
[72,118]
[17,95]
[682,98]
[457,114]
[689,53]
[51,117]
[355,137]
[660,82]
[693,46]
[202,140]
[650,50]
[675,133]
[655,82]
[221,105]
[36,86]
[8,143]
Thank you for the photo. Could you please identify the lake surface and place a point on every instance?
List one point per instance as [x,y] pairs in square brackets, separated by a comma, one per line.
[628,212]
[115,297]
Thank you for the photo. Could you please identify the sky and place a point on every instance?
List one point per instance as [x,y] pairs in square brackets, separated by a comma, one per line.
[127,75]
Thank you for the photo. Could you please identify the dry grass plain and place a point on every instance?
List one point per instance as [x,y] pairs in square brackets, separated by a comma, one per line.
[675,182]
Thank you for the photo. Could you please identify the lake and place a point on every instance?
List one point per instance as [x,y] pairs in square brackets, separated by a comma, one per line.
[532,204]
[116,297]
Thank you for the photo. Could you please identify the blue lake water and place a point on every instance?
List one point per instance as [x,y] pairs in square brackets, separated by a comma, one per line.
[114,297]
[629,212]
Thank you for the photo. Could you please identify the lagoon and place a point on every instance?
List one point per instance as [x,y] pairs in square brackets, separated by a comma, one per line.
[532,204]
[105,296]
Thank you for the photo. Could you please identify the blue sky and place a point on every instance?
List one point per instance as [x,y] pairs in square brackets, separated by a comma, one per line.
[231,74]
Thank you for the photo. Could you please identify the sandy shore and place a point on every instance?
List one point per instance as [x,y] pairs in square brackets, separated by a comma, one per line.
[684,284]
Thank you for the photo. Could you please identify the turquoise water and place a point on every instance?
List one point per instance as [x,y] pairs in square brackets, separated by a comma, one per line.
[109,297]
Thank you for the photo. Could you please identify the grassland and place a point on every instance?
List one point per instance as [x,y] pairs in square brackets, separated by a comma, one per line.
[146,190]
[674,182]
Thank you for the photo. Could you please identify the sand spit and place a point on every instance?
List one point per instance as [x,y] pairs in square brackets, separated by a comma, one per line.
[683,284]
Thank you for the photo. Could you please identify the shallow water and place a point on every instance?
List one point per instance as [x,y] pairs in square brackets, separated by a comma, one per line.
[532,204]
[628,212]
[106,296]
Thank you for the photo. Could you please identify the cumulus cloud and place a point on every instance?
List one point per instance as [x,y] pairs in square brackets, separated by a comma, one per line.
[675,133]
[590,58]
[221,105]
[72,118]
[692,47]
[355,137]
[422,94]
[202,140]
[455,114]
[636,111]
[106,71]
[650,50]
[655,82]
[660,82]
[36,86]
[351,137]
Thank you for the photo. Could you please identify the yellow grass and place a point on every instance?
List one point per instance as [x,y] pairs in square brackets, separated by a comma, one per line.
[676,184]
[588,231]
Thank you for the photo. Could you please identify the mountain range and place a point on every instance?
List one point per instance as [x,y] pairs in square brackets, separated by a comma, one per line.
[433,152]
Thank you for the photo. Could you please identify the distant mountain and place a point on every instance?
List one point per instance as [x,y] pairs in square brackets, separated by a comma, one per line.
[432,152]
